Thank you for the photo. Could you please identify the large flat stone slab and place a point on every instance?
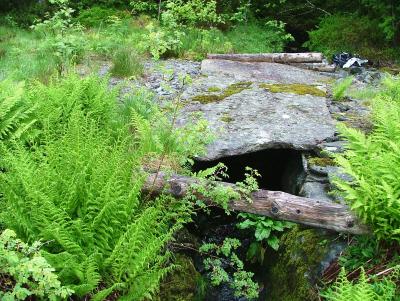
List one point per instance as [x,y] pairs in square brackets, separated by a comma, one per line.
[255,118]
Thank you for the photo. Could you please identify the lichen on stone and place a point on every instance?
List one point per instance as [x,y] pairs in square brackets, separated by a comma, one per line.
[299,89]
[229,91]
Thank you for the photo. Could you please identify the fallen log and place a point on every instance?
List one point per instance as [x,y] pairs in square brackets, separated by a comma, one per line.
[285,58]
[275,204]
[320,67]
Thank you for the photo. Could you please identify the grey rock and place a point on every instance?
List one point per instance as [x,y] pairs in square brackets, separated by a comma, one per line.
[315,190]
[333,147]
[264,120]
[336,172]
[260,119]
[316,178]
[319,170]
[261,71]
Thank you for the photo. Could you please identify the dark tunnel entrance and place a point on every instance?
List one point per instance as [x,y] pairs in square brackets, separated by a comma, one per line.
[280,169]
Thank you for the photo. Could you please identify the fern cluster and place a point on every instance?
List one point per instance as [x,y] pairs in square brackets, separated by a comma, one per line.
[78,189]
[16,115]
[362,290]
[373,162]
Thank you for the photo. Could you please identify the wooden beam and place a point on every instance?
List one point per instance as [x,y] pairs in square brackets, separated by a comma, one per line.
[308,57]
[320,67]
[275,204]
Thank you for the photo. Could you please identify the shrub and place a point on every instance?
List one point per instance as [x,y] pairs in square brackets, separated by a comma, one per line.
[372,162]
[350,33]
[96,15]
[192,13]
[29,273]
[126,62]
[256,37]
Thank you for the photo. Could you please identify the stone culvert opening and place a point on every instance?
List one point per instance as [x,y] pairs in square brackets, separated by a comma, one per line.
[280,169]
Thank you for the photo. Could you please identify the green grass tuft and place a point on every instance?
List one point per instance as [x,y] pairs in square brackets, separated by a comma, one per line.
[126,62]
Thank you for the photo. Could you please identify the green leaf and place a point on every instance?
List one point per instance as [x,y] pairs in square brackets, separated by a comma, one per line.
[262,233]
[273,242]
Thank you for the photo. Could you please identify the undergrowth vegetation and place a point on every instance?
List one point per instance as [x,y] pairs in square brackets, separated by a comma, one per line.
[75,152]
[77,188]
[372,162]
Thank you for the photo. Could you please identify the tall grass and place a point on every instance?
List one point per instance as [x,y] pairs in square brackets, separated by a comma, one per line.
[126,62]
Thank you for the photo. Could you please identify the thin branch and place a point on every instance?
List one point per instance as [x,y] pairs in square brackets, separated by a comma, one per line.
[312,5]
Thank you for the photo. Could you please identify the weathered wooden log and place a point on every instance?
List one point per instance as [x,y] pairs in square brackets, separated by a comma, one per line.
[286,58]
[320,67]
[275,204]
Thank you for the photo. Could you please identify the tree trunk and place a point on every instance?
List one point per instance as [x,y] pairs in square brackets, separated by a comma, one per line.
[275,204]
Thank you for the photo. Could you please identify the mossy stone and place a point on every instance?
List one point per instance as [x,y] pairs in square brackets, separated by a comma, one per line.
[324,162]
[229,91]
[182,284]
[292,273]
[299,89]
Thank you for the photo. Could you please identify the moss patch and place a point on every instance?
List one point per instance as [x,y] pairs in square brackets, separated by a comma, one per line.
[229,91]
[226,118]
[292,273]
[180,285]
[321,161]
[299,89]
[214,89]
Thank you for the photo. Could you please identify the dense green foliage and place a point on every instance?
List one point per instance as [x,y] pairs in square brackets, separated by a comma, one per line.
[74,190]
[368,27]
[242,282]
[32,274]
[350,33]
[372,163]
[16,115]
[340,88]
